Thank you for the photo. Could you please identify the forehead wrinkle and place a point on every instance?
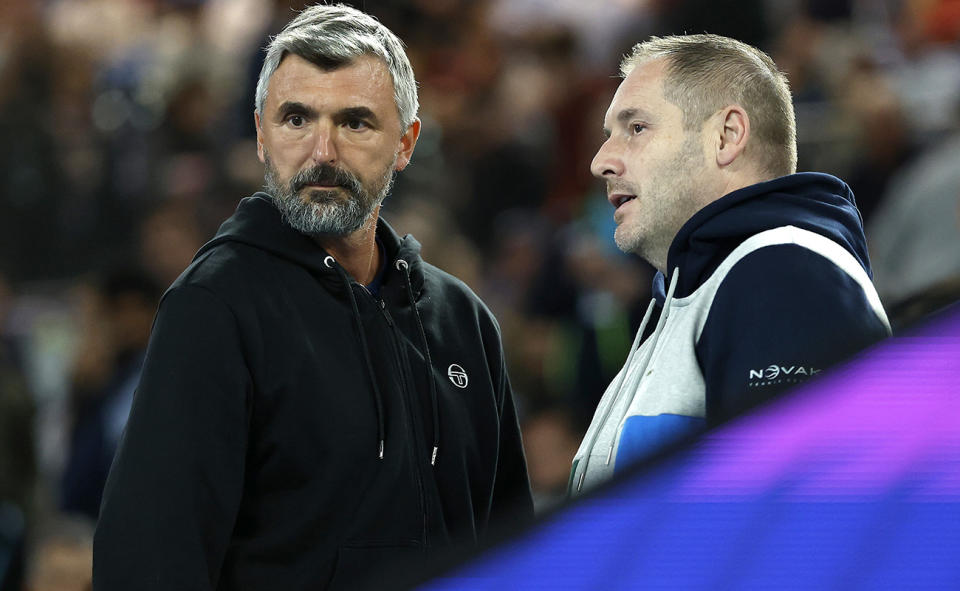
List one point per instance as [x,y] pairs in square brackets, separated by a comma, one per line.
[367,84]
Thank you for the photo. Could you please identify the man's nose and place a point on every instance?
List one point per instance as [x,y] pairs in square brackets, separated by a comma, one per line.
[324,147]
[606,163]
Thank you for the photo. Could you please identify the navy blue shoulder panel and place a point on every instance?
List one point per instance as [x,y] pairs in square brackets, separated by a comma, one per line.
[782,314]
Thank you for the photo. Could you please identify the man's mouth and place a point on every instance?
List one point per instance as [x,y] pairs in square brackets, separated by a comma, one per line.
[618,199]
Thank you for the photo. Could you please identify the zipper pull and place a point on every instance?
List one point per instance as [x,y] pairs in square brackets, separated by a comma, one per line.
[385,312]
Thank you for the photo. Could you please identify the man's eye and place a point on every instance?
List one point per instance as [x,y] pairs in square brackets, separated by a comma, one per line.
[296,120]
[638,127]
[356,124]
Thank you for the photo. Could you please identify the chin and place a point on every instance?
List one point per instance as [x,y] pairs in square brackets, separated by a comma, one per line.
[626,239]
[318,196]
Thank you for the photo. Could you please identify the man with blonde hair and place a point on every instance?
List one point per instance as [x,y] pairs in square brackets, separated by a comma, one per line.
[763,275]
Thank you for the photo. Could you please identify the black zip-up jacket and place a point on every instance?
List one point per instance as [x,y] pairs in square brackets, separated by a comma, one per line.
[273,384]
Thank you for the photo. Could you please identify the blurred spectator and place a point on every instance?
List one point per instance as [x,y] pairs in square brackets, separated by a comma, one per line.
[169,237]
[926,71]
[883,139]
[915,236]
[741,19]
[440,238]
[119,314]
[551,436]
[600,33]
[62,557]
[30,173]
[18,469]
[12,540]
[594,298]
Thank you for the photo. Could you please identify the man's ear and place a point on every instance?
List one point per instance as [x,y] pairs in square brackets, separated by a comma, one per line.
[734,131]
[256,122]
[407,142]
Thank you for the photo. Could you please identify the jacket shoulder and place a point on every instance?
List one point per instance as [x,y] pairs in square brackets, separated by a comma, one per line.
[787,261]
[457,299]
[226,269]
[451,286]
[789,278]
[782,309]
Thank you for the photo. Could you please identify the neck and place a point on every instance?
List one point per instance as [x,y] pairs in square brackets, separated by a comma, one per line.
[723,187]
[357,252]
[739,180]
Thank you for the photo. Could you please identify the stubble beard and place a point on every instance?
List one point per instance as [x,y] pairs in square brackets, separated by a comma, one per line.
[326,212]
[669,201]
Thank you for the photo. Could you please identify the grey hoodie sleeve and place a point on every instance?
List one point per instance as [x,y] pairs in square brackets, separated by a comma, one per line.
[175,486]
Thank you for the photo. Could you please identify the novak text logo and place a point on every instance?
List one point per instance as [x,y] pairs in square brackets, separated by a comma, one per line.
[780,374]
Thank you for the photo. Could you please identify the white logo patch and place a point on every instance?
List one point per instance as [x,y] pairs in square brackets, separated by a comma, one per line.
[457,376]
[780,374]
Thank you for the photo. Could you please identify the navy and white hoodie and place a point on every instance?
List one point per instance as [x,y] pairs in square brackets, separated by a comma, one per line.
[768,285]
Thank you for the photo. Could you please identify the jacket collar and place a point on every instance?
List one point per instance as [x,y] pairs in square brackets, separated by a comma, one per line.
[257,222]
[817,202]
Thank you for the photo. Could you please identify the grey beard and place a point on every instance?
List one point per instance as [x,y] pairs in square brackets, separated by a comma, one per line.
[325,212]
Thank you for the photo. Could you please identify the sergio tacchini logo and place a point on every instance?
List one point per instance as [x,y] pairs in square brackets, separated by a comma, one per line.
[457,376]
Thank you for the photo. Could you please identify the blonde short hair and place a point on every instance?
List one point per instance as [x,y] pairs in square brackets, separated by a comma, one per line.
[706,73]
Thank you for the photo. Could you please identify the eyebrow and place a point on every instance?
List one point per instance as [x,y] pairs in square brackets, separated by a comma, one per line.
[291,107]
[359,112]
[624,117]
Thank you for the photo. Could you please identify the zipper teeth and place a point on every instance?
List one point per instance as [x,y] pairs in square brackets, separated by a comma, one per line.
[381,305]
[648,357]
[413,427]
[606,415]
[408,405]
[643,364]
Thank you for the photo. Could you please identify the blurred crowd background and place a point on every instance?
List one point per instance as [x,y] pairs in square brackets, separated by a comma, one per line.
[126,137]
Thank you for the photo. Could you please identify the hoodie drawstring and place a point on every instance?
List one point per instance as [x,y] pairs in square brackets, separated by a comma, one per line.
[431,378]
[329,261]
[623,374]
[626,368]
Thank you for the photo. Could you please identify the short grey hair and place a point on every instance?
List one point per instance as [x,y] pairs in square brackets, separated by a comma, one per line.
[706,73]
[332,36]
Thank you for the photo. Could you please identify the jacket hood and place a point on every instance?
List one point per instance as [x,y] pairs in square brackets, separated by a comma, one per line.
[257,222]
[817,202]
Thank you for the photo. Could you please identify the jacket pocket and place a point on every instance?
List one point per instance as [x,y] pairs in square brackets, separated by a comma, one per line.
[376,565]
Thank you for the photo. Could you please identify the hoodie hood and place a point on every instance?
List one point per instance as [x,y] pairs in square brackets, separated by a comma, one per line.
[257,222]
[817,202]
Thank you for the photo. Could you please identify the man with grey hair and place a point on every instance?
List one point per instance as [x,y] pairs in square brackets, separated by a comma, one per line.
[769,278]
[317,402]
